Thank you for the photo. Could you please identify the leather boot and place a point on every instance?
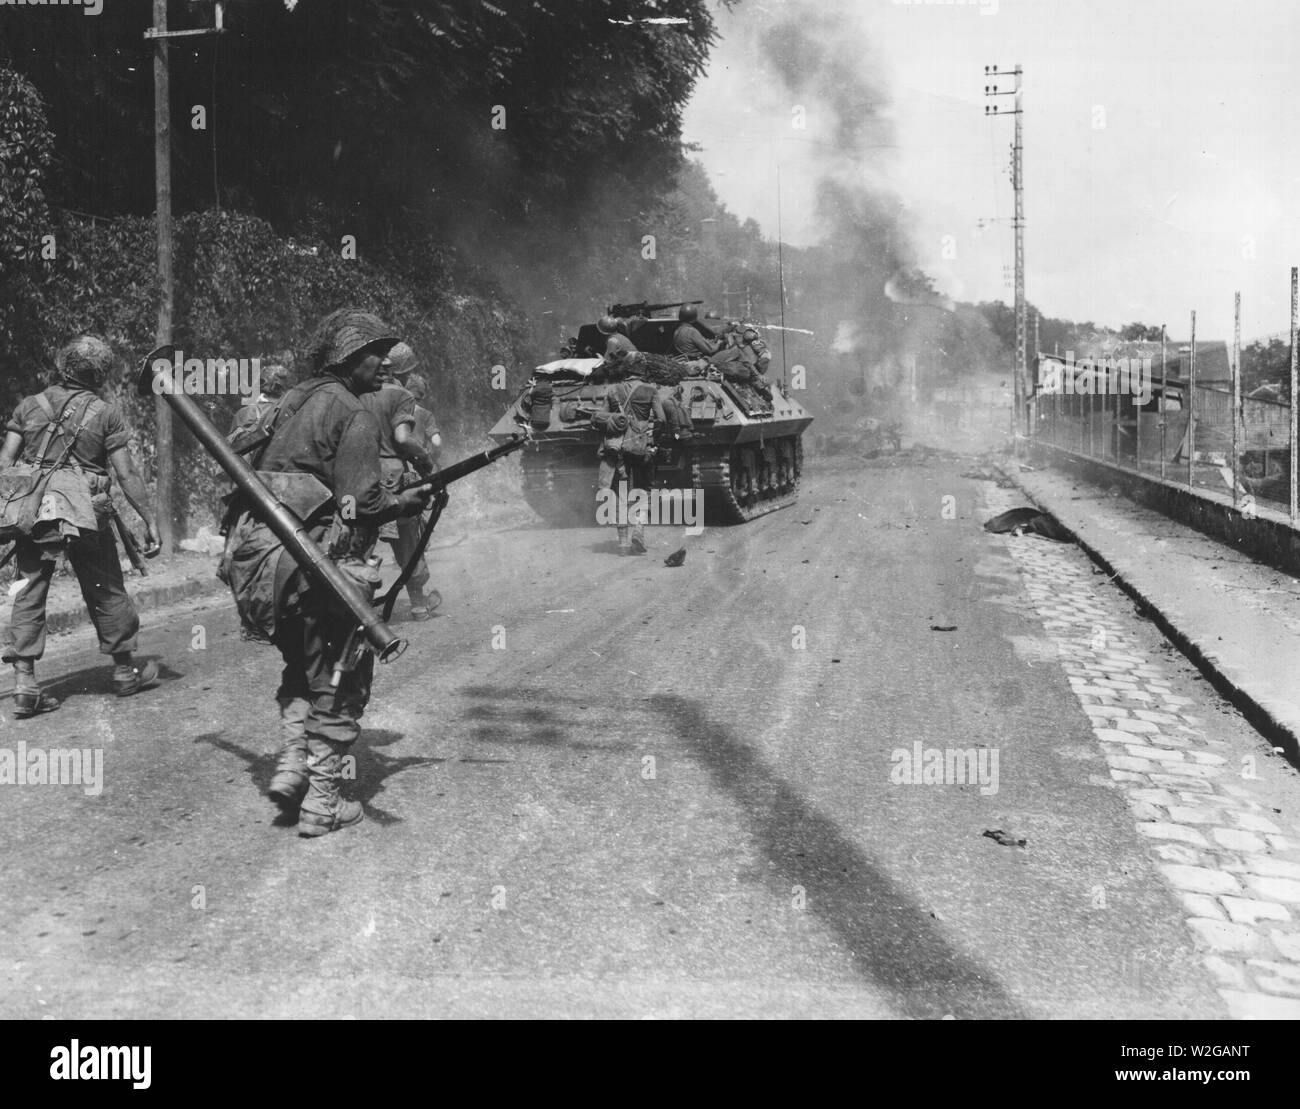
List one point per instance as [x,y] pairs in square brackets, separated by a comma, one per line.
[290,780]
[28,698]
[323,809]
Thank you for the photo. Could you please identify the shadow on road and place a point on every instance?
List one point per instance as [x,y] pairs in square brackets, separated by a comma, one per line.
[894,944]
[374,768]
[497,720]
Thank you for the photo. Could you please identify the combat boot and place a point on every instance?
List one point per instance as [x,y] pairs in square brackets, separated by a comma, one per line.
[323,809]
[289,782]
[129,679]
[28,698]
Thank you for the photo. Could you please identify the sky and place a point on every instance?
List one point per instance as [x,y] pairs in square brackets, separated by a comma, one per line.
[1161,148]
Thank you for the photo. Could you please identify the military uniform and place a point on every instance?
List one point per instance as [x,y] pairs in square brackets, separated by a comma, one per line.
[393,406]
[92,551]
[323,430]
[641,401]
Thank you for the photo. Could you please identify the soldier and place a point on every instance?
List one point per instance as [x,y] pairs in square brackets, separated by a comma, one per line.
[275,381]
[617,345]
[98,438]
[430,439]
[756,358]
[322,430]
[394,410]
[638,399]
[426,430]
[692,346]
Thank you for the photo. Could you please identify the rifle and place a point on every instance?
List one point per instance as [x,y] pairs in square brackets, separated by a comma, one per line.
[438,482]
[129,544]
[644,309]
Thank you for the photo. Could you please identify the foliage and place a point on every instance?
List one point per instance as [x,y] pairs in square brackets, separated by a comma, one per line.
[25,150]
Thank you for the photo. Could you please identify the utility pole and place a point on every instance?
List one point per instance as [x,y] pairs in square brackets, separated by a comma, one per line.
[162,147]
[159,34]
[1295,394]
[1021,379]
[1237,428]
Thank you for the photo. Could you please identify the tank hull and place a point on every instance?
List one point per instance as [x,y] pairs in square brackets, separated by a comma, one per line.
[743,459]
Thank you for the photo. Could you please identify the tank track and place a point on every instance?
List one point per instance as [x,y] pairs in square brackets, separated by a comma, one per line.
[739,485]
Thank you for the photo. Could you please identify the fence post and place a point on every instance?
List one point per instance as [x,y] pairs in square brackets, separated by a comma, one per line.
[1236,392]
[1295,455]
[1164,385]
[1190,438]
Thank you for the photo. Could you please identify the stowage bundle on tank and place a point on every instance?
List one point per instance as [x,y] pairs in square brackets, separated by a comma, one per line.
[731,435]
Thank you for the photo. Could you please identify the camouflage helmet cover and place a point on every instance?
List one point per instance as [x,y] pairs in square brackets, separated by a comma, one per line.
[343,334]
[87,360]
[403,358]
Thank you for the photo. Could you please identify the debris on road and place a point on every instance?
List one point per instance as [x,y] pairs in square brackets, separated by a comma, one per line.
[997,835]
[676,558]
[1019,521]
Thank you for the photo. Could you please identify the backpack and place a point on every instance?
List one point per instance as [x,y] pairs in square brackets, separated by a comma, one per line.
[637,442]
[33,493]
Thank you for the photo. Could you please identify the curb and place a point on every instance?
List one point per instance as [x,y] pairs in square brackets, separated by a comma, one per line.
[1277,720]
[146,599]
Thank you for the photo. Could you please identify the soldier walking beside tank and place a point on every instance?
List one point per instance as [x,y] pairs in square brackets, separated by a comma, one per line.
[399,447]
[68,421]
[322,431]
[635,399]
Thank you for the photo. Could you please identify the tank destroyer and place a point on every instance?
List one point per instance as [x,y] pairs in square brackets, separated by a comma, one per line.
[744,454]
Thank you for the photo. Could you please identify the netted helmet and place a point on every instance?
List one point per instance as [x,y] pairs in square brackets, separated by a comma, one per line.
[276,379]
[86,361]
[403,359]
[343,334]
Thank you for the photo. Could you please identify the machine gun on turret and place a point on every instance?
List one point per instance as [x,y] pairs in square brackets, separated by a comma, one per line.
[625,311]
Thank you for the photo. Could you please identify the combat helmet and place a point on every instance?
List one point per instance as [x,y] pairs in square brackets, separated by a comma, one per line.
[344,333]
[86,361]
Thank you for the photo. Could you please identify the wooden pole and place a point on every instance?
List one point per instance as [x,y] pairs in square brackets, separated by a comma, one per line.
[1236,392]
[163,183]
[1164,385]
[1295,402]
[1191,408]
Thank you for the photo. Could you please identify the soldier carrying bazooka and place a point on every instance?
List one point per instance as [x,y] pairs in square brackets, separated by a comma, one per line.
[301,530]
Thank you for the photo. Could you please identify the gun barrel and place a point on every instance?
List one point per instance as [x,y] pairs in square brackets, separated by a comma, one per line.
[642,307]
[284,524]
[465,466]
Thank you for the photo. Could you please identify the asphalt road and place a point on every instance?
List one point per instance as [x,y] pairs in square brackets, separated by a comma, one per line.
[598,786]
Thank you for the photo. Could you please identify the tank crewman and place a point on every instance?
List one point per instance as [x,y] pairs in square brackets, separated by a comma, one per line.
[640,400]
[322,430]
[399,447]
[692,346]
[755,355]
[276,376]
[98,438]
[617,344]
